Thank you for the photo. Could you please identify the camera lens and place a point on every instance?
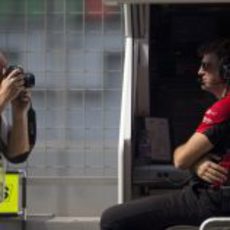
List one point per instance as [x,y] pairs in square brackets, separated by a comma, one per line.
[29,80]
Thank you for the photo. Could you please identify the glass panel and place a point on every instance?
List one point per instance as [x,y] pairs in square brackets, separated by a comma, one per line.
[111,138]
[94,139]
[36,41]
[112,61]
[111,118]
[56,158]
[55,61]
[55,80]
[36,22]
[113,80]
[54,118]
[110,158]
[94,41]
[55,137]
[74,41]
[74,49]
[3,39]
[75,158]
[74,6]
[75,119]
[75,100]
[41,137]
[75,60]
[110,162]
[94,81]
[55,100]
[39,100]
[55,40]
[75,81]
[36,61]
[55,22]
[16,41]
[40,80]
[13,56]
[93,23]
[4,21]
[112,23]
[112,99]
[93,100]
[74,22]
[94,158]
[7,25]
[55,6]
[37,159]
[112,9]
[94,62]
[93,6]
[75,138]
[113,42]
[40,116]
[35,6]
[94,119]
[12,6]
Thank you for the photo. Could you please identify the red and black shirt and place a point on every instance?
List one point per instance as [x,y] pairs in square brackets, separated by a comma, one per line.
[216,125]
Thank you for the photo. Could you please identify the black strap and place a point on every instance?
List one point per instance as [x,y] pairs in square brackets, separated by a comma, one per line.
[32,126]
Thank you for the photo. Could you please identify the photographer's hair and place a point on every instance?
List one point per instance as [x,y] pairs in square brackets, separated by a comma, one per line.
[220,48]
[3,61]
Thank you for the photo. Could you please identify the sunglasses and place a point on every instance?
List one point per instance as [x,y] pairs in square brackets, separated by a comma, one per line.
[205,65]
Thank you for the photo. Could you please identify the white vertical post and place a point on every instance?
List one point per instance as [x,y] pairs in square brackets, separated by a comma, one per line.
[125,118]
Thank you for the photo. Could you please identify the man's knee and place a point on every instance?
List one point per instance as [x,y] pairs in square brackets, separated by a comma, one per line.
[111,219]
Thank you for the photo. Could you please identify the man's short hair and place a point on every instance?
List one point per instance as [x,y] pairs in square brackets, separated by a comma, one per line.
[221,48]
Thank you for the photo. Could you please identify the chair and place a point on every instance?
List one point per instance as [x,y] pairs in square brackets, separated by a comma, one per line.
[183,227]
[216,223]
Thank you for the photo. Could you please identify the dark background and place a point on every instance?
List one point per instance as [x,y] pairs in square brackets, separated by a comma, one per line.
[176,31]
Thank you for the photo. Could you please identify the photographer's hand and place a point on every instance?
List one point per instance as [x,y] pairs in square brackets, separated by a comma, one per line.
[10,87]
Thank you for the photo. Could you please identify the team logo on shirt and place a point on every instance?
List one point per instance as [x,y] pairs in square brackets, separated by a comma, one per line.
[209,115]
[207,120]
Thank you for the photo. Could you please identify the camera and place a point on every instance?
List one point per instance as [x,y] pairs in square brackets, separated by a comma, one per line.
[29,78]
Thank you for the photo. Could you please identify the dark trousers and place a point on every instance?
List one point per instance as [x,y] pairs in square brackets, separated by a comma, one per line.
[189,206]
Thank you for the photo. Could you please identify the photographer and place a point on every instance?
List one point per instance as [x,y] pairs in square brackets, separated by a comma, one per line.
[17,140]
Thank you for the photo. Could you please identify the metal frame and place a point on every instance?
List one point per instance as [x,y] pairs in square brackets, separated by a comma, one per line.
[115,2]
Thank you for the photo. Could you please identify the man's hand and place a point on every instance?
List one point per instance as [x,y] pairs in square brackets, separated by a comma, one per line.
[210,171]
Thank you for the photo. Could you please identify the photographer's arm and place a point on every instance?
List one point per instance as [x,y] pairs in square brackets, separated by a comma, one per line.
[20,140]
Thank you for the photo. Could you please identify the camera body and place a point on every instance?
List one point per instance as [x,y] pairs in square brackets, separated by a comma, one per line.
[29,78]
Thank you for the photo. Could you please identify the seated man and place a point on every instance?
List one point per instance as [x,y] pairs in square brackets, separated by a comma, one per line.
[207,195]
